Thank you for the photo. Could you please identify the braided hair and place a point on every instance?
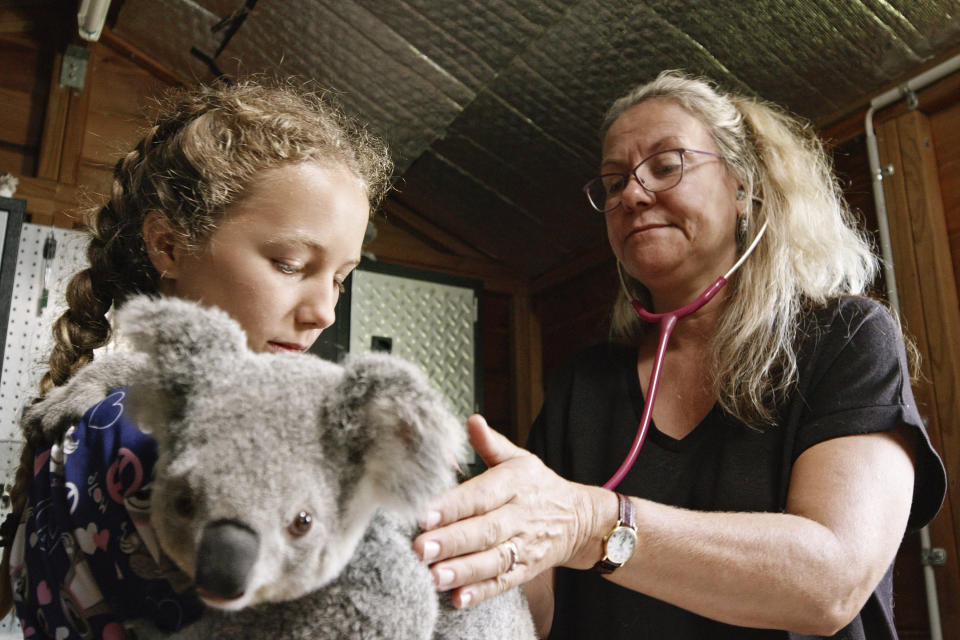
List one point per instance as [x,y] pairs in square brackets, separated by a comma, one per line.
[205,147]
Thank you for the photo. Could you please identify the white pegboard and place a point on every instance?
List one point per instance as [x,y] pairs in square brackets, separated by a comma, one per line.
[29,340]
[29,332]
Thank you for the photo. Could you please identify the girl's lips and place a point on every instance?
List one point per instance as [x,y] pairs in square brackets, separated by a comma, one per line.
[283,347]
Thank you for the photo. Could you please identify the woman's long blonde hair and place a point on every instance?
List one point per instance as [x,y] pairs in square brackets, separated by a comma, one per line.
[811,252]
[205,147]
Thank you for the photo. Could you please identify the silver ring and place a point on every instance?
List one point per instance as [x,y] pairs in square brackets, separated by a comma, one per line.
[512,548]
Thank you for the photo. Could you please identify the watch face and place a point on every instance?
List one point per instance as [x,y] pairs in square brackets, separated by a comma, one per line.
[620,544]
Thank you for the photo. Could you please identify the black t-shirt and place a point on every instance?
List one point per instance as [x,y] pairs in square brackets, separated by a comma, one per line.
[853,378]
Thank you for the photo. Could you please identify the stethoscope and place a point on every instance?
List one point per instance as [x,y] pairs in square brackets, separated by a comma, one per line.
[667,322]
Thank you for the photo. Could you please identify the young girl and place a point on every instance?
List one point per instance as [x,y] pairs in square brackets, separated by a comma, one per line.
[249,198]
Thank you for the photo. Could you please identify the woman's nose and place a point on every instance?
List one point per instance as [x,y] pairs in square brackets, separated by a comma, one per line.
[635,195]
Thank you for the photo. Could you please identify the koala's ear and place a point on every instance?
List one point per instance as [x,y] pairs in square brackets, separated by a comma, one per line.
[188,345]
[412,439]
[186,341]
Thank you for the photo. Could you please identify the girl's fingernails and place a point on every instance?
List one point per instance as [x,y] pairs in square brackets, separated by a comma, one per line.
[465,598]
[444,577]
[431,550]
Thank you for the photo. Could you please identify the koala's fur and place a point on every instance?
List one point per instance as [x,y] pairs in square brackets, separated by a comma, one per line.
[247,442]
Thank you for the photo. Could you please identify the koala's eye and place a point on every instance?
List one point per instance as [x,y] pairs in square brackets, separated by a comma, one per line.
[183,503]
[301,524]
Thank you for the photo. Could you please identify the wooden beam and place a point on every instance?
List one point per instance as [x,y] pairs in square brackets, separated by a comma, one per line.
[400,213]
[572,268]
[51,202]
[138,56]
[526,358]
[928,300]
[75,130]
[54,125]
[494,277]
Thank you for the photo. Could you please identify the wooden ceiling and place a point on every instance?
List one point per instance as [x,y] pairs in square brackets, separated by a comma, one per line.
[491,107]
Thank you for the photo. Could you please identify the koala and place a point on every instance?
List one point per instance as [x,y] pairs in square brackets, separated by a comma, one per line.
[286,487]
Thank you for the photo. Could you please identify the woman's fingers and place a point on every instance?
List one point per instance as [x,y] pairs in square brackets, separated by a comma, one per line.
[463,537]
[490,445]
[492,564]
[475,592]
[510,523]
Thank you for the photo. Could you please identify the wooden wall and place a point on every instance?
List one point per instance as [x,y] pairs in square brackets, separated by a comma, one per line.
[922,198]
[62,144]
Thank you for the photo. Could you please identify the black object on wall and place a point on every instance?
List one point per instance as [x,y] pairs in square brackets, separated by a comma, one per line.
[10,241]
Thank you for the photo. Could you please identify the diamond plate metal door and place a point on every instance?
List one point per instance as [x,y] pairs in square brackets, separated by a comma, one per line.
[428,322]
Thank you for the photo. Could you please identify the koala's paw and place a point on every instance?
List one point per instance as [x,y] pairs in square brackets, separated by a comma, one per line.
[46,420]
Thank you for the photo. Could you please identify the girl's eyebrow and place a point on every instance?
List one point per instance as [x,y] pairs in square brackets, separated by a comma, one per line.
[301,239]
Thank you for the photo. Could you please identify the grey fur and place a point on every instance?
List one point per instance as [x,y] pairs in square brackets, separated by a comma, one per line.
[252,440]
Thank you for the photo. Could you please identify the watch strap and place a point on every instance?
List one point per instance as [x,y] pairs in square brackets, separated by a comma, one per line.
[626,518]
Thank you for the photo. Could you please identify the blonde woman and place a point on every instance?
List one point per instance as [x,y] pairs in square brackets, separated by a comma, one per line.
[785,458]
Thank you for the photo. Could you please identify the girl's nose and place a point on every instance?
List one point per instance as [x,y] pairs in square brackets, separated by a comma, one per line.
[319,306]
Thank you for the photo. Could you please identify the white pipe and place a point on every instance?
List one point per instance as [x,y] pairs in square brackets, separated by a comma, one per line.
[930,75]
[91,17]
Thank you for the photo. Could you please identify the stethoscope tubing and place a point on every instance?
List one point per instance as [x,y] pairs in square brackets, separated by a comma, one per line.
[667,322]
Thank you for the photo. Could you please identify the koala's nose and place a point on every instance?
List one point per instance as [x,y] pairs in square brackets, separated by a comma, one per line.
[228,551]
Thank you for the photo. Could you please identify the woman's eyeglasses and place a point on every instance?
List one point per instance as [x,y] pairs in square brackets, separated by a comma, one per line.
[657,172]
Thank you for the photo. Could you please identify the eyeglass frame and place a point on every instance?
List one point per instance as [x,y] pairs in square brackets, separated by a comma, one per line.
[633,172]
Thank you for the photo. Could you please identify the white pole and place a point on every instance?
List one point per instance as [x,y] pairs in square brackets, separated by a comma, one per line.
[876,177]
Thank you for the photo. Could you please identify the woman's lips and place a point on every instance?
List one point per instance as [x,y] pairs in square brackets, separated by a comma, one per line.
[648,227]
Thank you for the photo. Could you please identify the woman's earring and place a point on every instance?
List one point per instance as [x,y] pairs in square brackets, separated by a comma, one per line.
[743,222]
[741,194]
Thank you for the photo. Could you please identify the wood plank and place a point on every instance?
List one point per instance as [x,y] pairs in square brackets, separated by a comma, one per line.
[48,200]
[108,137]
[497,372]
[534,382]
[396,210]
[131,88]
[54,126]
[141,59]
[907,247]
[945,127]
[20,161]
[75,134]
[573,267]
[395,243]
[18,126]
[937,286]
[526,359]
[94,182]
[15,21]
[909,291]
[21,64]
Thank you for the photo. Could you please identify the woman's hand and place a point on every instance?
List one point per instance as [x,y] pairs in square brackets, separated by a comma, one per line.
[510,523]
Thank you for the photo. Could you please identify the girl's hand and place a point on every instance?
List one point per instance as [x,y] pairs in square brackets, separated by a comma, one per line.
[510,523]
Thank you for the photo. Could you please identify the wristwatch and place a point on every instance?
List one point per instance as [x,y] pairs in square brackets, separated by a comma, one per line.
[620,543]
